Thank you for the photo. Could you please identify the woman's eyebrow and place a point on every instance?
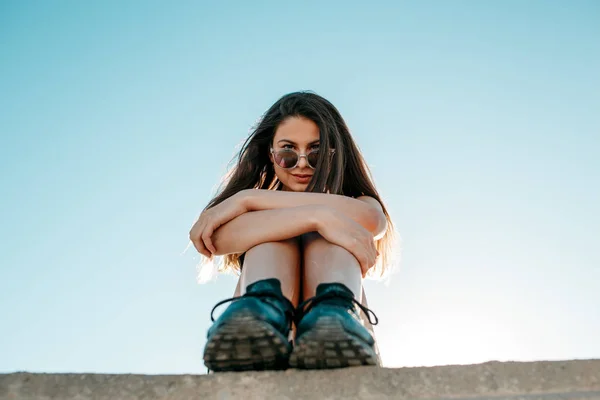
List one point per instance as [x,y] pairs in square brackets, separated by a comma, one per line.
[285,140]
[292,142]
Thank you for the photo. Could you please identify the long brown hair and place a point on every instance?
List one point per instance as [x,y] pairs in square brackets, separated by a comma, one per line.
[348,174]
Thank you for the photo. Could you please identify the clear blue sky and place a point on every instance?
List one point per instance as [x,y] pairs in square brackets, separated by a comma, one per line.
[480,120]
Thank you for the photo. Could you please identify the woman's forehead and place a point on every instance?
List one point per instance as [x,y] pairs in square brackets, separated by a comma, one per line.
[297,130]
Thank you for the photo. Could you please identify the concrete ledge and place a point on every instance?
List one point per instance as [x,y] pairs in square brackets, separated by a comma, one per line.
[493,380]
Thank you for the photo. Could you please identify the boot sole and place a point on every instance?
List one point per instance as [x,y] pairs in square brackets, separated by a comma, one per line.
[245,343]
[328,345]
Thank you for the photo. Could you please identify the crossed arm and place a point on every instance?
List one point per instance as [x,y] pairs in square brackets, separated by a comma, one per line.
[257,216]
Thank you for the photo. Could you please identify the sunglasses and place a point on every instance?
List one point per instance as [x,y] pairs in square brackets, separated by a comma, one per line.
[289,158]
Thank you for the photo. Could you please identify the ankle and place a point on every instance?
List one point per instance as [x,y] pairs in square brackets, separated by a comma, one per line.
[353,287]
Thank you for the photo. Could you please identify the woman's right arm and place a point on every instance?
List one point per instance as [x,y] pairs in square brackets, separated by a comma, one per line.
[252,228]
[255,227]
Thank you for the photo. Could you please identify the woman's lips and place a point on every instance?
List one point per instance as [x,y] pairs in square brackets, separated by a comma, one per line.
[302,178]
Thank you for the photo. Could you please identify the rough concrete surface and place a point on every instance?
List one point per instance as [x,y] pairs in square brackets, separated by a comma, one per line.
[552,380]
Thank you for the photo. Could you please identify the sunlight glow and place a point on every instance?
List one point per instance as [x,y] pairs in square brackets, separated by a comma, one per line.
[448,338]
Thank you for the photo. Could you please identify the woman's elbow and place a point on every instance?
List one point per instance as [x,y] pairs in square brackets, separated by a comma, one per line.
[376,221]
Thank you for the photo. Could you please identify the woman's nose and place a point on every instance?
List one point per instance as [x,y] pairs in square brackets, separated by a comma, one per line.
[302,162]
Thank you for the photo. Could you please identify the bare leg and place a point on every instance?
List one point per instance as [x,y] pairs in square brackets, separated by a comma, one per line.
[325,262]
[280,260]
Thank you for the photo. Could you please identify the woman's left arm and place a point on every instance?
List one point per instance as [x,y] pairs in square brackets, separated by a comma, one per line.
[365,210]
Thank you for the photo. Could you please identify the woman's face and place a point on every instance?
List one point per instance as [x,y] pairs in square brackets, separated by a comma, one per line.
[302,136]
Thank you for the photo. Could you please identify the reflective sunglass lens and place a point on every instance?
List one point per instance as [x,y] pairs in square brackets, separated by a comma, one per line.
[286,159]
[313,158]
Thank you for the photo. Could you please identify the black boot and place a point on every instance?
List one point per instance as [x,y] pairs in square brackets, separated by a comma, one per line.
[330,333]
[252,333]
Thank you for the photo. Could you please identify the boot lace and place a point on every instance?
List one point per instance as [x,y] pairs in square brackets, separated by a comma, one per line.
[289,307]
[307,305]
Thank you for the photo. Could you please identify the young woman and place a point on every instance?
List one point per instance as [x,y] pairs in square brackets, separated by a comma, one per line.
[300,218]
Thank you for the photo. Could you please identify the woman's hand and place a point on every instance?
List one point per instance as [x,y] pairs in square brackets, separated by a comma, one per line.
[343,231]
[210,220]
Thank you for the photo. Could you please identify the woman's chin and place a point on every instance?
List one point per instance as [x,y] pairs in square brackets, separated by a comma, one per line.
[295,187]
